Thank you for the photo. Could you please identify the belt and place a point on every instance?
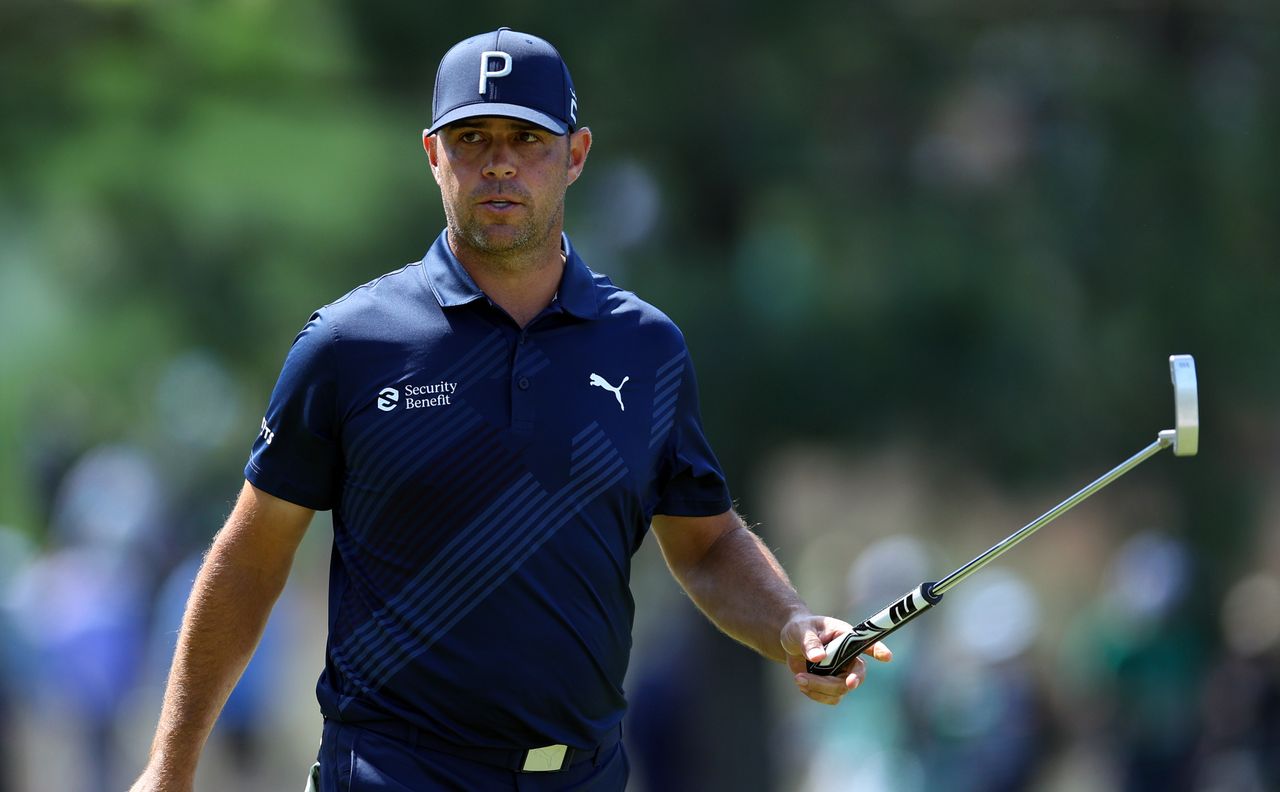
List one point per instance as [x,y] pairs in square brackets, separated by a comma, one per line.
[548,758]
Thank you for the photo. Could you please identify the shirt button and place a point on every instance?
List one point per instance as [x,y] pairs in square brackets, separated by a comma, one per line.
[523,383]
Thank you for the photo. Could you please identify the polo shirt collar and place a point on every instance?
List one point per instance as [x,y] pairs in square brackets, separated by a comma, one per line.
[577,293]
[453,286]
[447,277]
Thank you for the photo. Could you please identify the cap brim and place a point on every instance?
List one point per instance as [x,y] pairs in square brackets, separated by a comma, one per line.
[502,111]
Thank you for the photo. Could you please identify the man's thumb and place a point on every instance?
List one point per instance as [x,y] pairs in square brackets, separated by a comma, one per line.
[813,648]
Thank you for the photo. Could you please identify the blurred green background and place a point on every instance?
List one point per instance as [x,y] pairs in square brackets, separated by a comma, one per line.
[930,260]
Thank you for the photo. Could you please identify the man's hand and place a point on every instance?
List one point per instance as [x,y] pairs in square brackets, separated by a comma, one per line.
[803,639]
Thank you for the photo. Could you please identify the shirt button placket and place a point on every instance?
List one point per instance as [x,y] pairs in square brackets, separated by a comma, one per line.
[521,398]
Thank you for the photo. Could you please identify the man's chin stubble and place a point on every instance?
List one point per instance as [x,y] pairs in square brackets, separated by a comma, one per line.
[525,238]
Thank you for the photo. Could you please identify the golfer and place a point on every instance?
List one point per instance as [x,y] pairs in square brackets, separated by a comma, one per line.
[495,428]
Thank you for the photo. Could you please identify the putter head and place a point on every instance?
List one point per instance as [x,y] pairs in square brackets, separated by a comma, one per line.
[1186,406]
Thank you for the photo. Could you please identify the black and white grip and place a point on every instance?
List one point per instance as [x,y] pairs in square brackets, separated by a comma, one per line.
[848,646]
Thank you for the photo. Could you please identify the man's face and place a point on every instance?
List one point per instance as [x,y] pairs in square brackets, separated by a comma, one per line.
[503,181]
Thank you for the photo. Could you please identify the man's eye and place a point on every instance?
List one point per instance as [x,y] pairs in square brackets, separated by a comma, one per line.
[469,137]
[529,137]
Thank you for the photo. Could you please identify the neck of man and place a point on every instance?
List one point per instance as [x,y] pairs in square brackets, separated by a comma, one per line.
[521,283]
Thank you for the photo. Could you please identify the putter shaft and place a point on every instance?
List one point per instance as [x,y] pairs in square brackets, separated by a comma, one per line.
[1162,442]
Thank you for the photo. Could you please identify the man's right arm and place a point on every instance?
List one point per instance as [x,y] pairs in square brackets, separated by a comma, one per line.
[241,577]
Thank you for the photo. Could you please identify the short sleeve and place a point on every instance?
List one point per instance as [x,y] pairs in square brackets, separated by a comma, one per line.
[296,455]
[692,485]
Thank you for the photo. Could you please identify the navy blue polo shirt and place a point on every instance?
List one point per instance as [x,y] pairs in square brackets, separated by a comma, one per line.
[489,485]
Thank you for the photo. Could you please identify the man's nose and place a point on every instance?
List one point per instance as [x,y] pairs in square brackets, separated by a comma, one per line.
[501,165]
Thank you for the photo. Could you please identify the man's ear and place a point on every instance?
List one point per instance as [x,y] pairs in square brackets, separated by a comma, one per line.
[579,146]
[429,146]
[429,143]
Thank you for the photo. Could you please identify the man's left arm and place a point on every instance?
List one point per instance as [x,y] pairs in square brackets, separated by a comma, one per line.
[734,579]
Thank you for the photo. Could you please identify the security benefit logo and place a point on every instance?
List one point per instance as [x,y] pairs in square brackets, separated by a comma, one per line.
[417,397]
[388,398]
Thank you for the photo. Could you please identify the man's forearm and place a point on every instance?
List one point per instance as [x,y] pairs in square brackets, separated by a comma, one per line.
[743,589]
[239,582]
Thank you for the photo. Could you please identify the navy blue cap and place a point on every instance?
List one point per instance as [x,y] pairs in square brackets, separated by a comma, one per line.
[505,73]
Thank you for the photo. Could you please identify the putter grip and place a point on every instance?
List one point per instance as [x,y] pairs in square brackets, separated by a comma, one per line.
[848,646]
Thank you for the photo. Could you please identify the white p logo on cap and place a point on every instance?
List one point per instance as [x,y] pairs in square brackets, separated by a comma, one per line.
[485,74]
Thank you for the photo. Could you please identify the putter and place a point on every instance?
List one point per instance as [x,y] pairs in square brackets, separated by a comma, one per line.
[1184,439]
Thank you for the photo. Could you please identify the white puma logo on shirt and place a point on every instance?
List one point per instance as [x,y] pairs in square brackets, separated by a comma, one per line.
[601,382]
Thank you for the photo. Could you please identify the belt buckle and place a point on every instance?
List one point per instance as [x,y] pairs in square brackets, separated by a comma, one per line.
[547,759]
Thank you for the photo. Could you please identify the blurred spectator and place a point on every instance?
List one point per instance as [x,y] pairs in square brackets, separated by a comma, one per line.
[1148,660]
[81,607]
[15,665]
[1239,705]
[1240,697]
[977,712]
[661,725]
[81,613]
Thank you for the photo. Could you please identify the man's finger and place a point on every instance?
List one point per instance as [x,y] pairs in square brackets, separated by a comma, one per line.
[824,689]
[879,651]
[857,672]
[830,690]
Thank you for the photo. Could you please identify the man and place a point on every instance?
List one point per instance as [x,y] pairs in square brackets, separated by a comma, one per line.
[494,427]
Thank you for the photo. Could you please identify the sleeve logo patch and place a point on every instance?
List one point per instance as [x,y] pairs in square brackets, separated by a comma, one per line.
[266,433]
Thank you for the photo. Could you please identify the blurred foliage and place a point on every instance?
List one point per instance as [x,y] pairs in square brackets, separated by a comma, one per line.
[981,229]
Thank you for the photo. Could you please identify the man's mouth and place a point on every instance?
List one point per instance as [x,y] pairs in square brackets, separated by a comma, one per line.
[499,203]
